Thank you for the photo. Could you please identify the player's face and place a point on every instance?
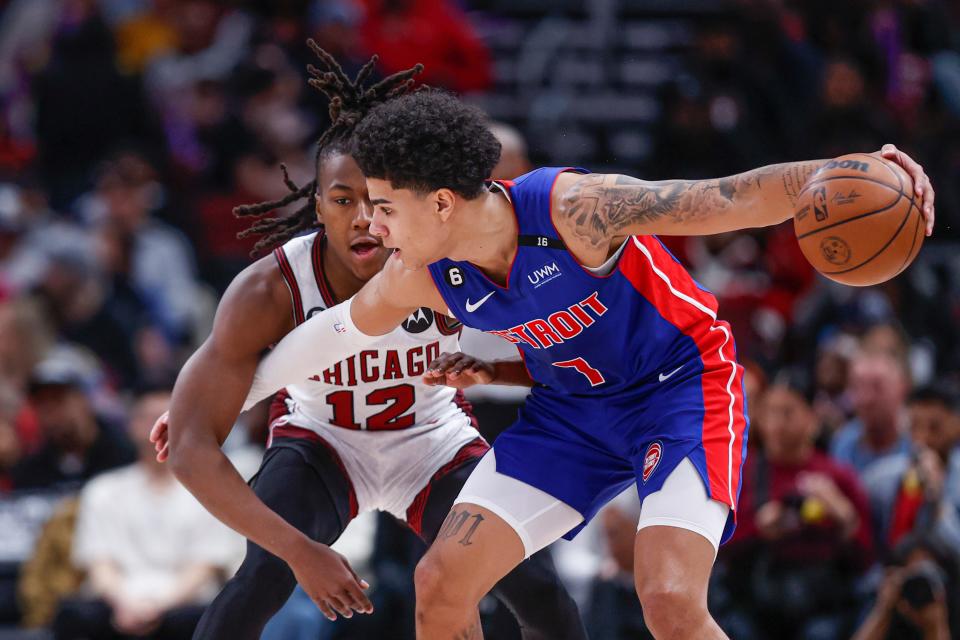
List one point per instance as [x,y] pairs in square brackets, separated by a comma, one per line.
[343,206]
[411,223]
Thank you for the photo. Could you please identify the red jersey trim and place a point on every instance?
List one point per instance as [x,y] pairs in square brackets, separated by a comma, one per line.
[291,280]
[448,326]
[673,293]
[316,256]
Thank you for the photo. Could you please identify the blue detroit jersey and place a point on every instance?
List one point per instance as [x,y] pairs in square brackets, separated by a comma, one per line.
[634,370]
[578,333]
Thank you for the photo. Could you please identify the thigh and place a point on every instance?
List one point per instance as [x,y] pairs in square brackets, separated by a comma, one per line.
[536,517]
[494,524]
[302,482]
[682,502]
[678,534]
[443,493]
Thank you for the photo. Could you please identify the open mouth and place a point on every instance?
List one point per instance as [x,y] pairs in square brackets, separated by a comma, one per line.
[364,247]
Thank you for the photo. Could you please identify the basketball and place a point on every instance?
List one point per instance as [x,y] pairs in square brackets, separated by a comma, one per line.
[857,220]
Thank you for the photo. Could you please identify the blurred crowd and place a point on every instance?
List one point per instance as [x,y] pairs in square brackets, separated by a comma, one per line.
[129,129]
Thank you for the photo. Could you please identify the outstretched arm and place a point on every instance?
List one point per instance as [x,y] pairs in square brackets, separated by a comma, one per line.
[600,207]
[345,329]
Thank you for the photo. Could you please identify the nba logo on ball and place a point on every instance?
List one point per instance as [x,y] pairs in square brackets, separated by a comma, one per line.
[651,459]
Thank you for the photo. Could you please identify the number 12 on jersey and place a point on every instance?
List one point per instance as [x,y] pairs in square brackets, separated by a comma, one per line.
[582,366]
[399,400]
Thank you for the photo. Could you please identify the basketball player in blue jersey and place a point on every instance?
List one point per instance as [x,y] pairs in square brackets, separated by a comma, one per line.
[635,379]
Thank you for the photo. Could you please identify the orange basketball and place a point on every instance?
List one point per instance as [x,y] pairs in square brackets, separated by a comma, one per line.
[857,220]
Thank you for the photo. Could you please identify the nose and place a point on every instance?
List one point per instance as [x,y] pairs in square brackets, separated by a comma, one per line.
[376,225]
[363,216]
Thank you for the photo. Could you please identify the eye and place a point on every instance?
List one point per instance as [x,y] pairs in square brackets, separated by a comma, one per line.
[342,201]
[386,211]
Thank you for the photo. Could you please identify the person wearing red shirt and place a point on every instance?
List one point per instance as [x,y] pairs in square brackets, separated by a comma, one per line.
[803,534]
[433,32]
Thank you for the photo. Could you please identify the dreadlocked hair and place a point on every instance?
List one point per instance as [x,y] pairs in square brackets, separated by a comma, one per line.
[349,103]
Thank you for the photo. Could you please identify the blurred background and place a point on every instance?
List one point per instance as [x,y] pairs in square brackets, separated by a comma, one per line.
[129,129]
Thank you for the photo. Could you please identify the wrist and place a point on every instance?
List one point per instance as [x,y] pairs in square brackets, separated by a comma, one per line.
[295,547]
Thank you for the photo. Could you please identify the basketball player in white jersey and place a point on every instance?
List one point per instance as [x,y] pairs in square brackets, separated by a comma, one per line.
[365,434]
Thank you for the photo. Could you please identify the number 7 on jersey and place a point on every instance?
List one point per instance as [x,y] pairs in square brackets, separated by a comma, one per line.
[581,365]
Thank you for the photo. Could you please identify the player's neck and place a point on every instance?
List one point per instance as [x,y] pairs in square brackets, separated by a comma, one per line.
[488,237]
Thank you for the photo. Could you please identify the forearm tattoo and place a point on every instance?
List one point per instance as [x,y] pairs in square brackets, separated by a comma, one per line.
[599,207]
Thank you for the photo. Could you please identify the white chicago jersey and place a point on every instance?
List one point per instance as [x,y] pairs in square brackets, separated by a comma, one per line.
[391,431]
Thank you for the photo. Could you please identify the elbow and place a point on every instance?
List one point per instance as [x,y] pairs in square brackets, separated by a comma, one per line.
[181,458]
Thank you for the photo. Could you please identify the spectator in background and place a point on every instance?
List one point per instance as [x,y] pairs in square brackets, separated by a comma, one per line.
[848,118]
[224,254]
[831,398]
[153,555]
[452,55]
[917,598]
[154,259]
[10,447]
[210,40]
[879,385]
[754,385]
[25,336]
[612,612]
[49,575]
[917,492]
[84,105]
[76,446]
[514,160]
[803,535]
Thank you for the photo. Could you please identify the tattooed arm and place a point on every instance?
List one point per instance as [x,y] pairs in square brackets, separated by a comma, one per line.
[597,208]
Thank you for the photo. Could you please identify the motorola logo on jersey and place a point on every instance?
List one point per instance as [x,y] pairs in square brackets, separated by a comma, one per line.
[418,321]
[544,274]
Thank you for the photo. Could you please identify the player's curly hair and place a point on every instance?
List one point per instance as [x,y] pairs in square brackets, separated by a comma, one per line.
[350,102]
[425,141]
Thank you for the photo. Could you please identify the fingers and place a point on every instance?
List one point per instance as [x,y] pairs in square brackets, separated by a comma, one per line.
[445,366]
[161,438]
[354,590]
[922,186]
[357,599]
[325,609]
[159,428]
[928,210]
[339,605]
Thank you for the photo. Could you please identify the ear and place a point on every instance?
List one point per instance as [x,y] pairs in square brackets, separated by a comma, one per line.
[445,200]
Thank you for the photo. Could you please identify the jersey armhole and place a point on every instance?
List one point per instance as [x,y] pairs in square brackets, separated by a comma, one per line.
[286,271]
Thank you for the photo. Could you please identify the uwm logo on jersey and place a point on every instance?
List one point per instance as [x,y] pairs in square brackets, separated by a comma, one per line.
[543,333]
[544,274]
